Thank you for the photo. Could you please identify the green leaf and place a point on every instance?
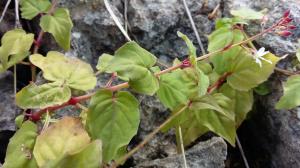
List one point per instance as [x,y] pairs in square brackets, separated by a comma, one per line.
[31,8]
[90,157]
[46,95]
[207,113]
[229,22]
[223,60]
[66,70]
[59,25]
[173,90]
[262,89]
[114,118]
[19,150]
[241,102]
[291,97]
[246,74]
[103,62]
[19,120]
[247,13]
[133,63]
[216,122]
[15,46]
[220,38]
[205,67]
[190,45]
[66,137]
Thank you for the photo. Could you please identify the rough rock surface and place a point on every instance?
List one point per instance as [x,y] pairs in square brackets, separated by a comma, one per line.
[8,110]
[211,153]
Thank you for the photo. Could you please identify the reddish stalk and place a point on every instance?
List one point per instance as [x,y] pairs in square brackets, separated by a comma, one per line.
[219,83]
[39,39]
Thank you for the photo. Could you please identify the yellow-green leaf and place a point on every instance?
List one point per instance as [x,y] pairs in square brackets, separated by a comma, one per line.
[31,8]
[66,70]
[15,46]
[103,62]
[291,96]
[247,13]
[90,157]
[66,137]
[59,25]
[46,95]
[114,118]
[247,74]
[20,147]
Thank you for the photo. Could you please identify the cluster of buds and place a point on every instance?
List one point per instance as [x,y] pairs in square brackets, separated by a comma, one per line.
[284,26]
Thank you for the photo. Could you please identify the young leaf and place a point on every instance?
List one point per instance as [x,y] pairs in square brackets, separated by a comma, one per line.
[31,8]
[19,150]
[220,38]
[291,97]
[223,60]
[59,25]
[103,63]
[66,137]
[66,70]
[241,102]
[46,95]
[90,157]
[15,46]
[246,74]
[133,63]
[190,45]
[247,13]
[114,118]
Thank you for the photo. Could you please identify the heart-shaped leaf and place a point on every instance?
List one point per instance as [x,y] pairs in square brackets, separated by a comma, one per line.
[66,70]
[59,25]
[113,118]
[15,46]
[247,74]
[133,63]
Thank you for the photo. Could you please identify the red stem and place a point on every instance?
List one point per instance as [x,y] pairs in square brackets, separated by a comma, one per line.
[219,83]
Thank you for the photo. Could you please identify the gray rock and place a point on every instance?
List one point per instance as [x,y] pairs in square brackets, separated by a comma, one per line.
[8,111]
[208,154]
[94,30]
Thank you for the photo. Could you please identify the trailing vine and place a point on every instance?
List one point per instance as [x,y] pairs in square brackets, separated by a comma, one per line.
[213,92]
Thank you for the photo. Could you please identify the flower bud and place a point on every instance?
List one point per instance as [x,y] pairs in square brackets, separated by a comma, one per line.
[292,27]
[286,13]
[284,33]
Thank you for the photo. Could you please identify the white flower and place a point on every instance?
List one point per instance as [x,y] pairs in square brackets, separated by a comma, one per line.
[258,56]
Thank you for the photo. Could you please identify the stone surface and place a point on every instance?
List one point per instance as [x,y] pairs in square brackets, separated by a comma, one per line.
[8,111]
[208,154]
